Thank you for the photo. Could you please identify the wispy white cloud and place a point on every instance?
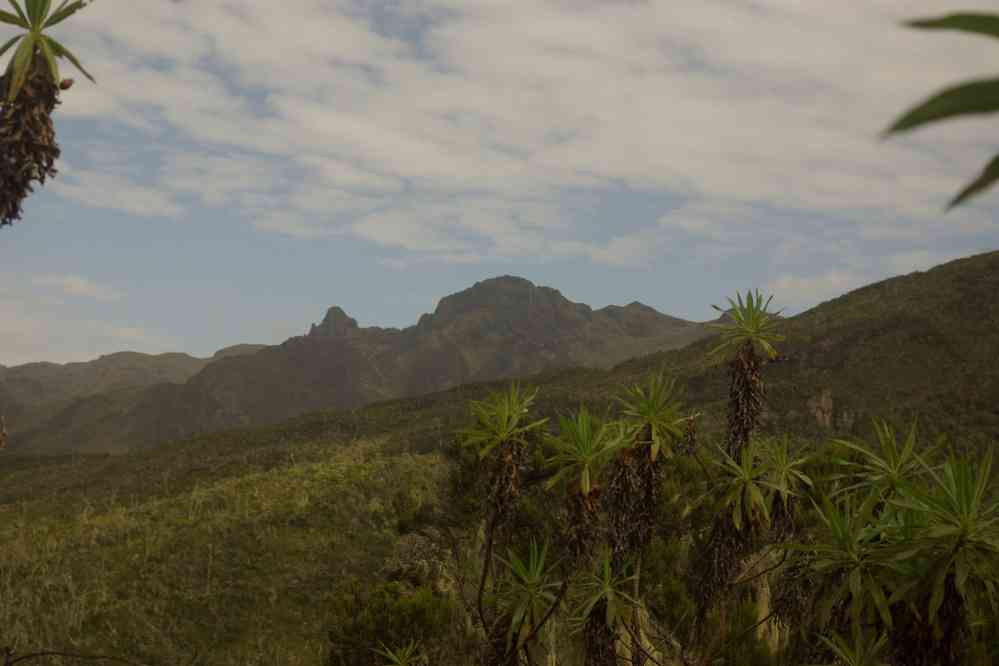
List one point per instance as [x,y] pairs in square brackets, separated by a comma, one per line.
[34,331]
[77,286]
[463,131]
[726,105]
[793,291]
[103,188]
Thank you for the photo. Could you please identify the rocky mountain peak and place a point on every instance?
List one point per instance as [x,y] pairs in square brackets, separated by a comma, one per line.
[502,296]
[336,323]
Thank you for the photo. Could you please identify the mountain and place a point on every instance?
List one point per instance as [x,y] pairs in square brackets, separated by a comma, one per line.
[501,327]
[38,384]
[244,546]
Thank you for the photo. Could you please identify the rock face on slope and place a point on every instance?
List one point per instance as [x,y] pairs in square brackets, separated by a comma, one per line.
[498,328]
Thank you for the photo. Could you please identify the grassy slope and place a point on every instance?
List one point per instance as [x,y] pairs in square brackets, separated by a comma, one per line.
[235,543]
[232,544]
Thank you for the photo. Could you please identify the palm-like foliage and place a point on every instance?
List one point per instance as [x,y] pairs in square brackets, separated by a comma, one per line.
[35,20]
[407,655]
[972,97]
[501,420]
[502,430]
[959,539]
[582,448]
[605,588]
[527,594]
[30,92]
[847,562]
[652,425]
[864,650]
[751,324]
[918,556]
[742,485]
[603,604]
[786,479]
[653,414]
[786,475]
[885,469]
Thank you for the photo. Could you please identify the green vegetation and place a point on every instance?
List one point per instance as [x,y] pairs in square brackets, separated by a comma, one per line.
[30,88]
[971,97]
[338,534]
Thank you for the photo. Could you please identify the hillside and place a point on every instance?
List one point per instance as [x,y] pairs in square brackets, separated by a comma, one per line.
[34,384]
[242,545]
[502,327]
[39,385]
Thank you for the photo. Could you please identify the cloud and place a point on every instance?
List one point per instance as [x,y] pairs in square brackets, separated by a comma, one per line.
[32,332]
[446,128]
[102,188]
[795,291]
[76,286]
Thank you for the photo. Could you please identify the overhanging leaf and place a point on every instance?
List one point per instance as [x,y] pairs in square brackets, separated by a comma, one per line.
[981,24]
[21,62]
[63,52]
[17,8]
[7,17]
[10,43]
[50,60]
[34,8]
[986,179]
[64,13]
[974,97]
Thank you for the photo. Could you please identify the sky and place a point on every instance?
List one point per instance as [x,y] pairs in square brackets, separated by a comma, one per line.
[243,165]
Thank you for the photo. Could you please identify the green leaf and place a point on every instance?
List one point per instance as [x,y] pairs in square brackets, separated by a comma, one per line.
[985,180]
[21,63]
[17,8]
[967,98]
[982,24]
[7,17]
[50,59]
[64,13]
[881,603]
[936,599]
[33,7]
[63,52]
[5,47]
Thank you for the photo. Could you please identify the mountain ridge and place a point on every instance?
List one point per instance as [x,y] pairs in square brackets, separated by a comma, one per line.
[499,327]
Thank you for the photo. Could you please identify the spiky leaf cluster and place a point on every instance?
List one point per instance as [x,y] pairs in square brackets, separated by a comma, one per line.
[969,98]
[29,89]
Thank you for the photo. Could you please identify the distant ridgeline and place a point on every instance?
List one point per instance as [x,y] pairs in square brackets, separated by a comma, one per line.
[921,344]
[499,328]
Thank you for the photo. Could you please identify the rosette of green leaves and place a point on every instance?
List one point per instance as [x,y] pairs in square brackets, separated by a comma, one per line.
[527,593]
[582,448]
[501,420]
[848,558]
[752,323]
[35,18]
[742,485]
[656,408]
[956,537]
[406,655]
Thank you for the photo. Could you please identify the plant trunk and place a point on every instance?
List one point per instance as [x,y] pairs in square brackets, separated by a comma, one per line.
[601,640]
[637,656]
[746,395]
[767,631]
[28,149]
